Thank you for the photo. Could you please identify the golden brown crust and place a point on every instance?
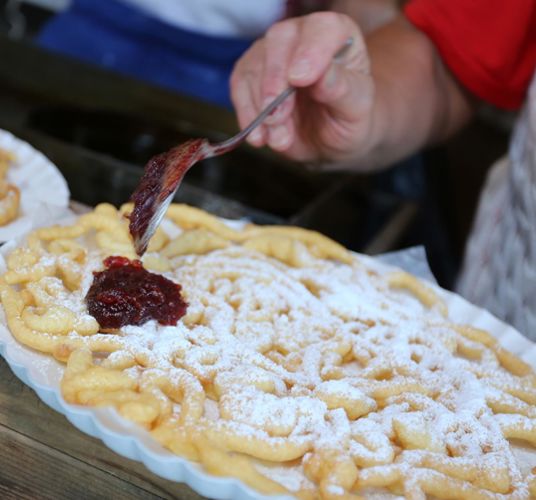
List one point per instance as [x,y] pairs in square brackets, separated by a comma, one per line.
[294,359]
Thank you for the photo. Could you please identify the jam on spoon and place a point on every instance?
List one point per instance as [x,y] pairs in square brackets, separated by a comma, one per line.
[127,294]
[164,173]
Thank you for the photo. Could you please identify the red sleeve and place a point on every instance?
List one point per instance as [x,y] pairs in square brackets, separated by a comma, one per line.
[489,45]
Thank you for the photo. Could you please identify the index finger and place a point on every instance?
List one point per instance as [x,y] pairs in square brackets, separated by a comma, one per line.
[279,44]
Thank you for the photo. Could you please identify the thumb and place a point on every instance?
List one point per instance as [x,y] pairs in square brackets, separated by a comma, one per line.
[346,89]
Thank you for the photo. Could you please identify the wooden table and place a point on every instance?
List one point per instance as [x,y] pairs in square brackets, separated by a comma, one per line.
[43,456]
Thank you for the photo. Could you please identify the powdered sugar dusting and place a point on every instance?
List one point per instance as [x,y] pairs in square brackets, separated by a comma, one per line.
[327,361]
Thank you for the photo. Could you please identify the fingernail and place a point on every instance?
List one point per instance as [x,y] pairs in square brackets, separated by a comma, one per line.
[255,137]
[279,137]
[267,101]
[300,69]
[275,114]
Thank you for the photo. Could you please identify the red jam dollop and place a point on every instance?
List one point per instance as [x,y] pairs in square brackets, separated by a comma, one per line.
[161,178]
[127,294]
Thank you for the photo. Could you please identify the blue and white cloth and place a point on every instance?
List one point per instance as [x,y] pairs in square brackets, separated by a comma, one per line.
[189,46]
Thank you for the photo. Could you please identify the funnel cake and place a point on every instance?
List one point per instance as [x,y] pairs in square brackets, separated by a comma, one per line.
[9,193]
[298,368]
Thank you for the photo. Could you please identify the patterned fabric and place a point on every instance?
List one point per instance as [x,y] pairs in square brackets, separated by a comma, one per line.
[122,38]
[499,271]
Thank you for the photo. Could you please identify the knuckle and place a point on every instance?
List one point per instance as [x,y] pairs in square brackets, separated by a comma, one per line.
[247,66]
[238,91]
[236,77]
[353,28]
[327,19]
[362,61]
[282,30]
[275,72]
[239,69]
[347,20]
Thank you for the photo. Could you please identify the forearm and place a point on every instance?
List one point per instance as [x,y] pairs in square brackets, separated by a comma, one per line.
[417,100]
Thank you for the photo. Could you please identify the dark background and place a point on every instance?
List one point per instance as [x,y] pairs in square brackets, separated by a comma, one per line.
[100,128]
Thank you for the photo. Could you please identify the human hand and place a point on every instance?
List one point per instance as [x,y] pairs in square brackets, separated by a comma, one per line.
[330,115]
